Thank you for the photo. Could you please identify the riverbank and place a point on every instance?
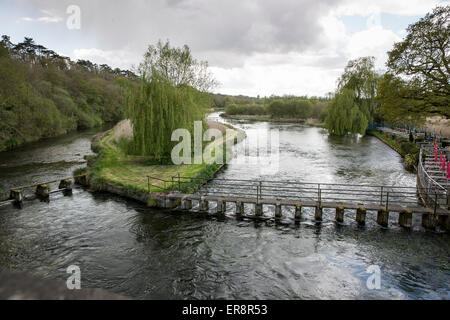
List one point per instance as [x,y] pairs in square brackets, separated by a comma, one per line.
[267,118]
[115,171]
[408,150]
[19,144]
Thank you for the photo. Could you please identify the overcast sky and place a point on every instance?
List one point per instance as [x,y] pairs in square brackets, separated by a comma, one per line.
[255,47]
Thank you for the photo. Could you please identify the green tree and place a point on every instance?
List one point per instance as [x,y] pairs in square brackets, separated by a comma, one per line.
[354,104]
[44,95]
[344,115]
[156,109]
[178,66]
[419,69]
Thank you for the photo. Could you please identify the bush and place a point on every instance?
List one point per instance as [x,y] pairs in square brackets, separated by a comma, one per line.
[411,160]
[292,108]
[254,109]
[232,109]
[11,144]
[409,148]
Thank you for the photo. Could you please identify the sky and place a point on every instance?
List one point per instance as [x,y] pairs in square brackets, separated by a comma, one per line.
[253,47]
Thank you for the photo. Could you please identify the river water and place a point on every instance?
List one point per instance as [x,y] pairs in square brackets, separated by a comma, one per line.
[129,249]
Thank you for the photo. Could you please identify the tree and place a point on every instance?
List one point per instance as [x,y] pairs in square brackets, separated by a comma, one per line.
[156,109]
[178,66]
[360,76]
[419,68]
[344,114]
[354,104]
[53,96]
[6,42]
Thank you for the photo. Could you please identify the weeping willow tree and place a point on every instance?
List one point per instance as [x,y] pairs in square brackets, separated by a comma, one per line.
[354,104]
[156,108]
[344,115]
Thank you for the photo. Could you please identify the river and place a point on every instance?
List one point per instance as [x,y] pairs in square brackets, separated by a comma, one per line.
[127,248]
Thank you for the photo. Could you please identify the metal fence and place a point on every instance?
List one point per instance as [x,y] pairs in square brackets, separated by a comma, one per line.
[302,191]
[431,192]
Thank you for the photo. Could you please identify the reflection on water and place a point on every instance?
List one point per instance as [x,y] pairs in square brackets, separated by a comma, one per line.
[129,249]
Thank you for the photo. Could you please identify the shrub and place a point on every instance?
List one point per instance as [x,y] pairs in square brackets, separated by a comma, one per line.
[11,144]
[253,109]
[292,108]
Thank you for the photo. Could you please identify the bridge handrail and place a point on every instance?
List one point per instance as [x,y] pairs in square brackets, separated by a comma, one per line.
[422,169]
[297,182]
[434,191]
[338,192]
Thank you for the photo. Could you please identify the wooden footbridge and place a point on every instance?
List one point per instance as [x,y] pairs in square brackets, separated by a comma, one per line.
[430,198]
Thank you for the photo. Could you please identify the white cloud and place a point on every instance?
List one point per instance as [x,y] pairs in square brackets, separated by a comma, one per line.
[255,47]
[313,72]
[397,7]
[123,59]
[50,17]
[375,42]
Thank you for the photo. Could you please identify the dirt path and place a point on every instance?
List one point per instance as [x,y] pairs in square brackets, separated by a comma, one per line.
[123,129]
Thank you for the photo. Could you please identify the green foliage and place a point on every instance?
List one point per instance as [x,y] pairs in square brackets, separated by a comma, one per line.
[254,109]
[354,104]
[411,160]
[344,115]
[43,94]
[291,108]
[11,144]
[275,107]
[423,59]
[156,109]
[408,147]
[177,66]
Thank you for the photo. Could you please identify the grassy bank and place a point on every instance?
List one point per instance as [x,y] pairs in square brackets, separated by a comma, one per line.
[408,150]
[113,166]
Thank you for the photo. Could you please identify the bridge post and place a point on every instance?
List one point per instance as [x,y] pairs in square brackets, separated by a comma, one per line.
[443,221]
[187,204]
[221,206]
[43,191]
[157,201]
[340,214]
[383,218]
[429,221]
[258,209]
[361,216]
[278,213]
[298,212]
[82,180]
[239,208]
[405,218]
[318,212]
[203,205]
[17,195]
[447,225]
[172,203]
[67,185]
